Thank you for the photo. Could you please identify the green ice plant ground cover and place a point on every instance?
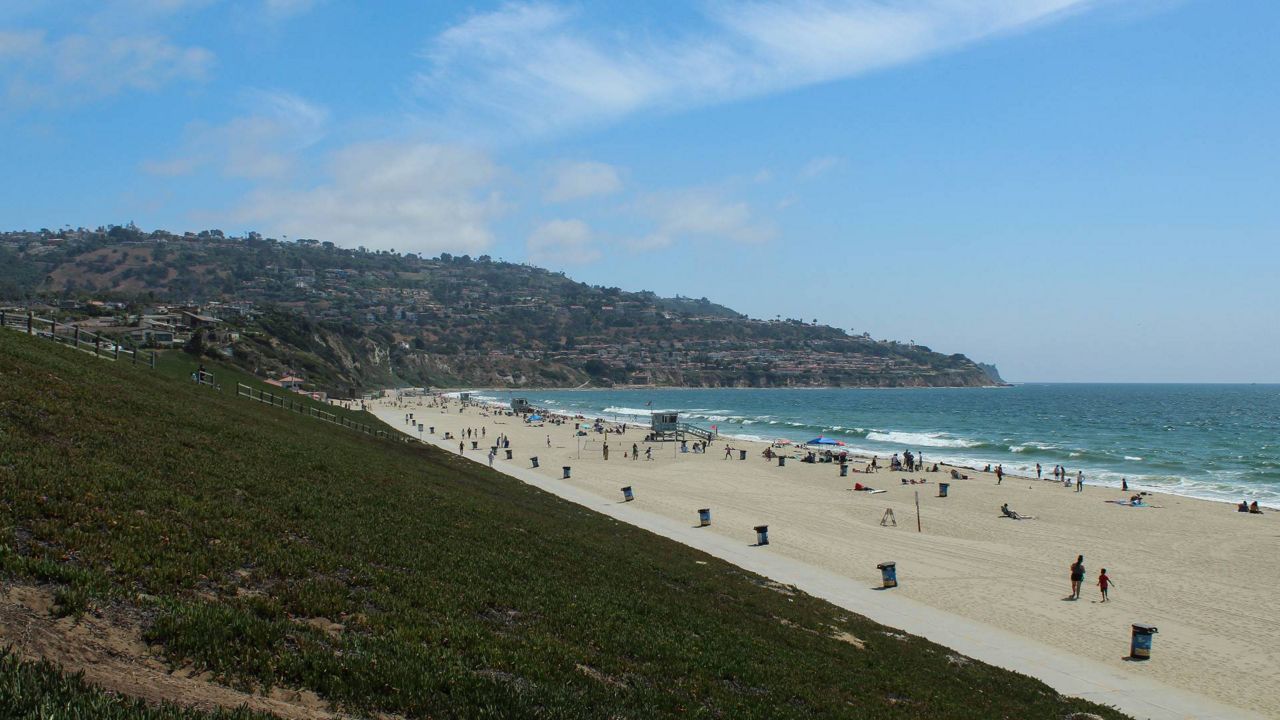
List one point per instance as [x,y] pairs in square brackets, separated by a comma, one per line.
[274,550]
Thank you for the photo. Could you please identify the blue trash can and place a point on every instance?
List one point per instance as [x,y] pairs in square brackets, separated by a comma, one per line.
[566,472]
[508,454]
[742,454]
[844,470]
[762,534]
[782,461]
[534,461]
[704,517]
[943,488]
[627,495]
[889,574]
[1140,644]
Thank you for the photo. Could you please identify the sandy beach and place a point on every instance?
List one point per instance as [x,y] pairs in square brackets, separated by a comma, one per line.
[1201,572]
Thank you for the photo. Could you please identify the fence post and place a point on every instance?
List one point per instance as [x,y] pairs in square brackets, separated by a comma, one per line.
[117,352]
[153,360]
[4,322]
[31,323]
[77,337]
[97,345]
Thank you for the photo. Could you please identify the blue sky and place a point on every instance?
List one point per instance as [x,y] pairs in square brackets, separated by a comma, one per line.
[1075,190]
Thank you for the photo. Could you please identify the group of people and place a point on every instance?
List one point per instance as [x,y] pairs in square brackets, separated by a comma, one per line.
[908,463]
[1077,579]
[1249,507]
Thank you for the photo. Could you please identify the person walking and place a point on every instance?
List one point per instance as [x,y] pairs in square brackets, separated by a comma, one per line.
[1079,481]
[461,448]
[635,451]
[1104,582]
[1077,576]
[1038,476]
[999,474]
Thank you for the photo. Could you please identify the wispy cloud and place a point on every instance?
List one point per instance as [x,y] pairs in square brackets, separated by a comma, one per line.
[536,67]
[819,166]
[77,68]
[413,197]
[262,143]
[700,214]
[563,242]
[583,179]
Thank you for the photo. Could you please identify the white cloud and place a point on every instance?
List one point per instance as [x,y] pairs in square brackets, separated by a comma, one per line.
[577,180]
[261,144]
[537,67]
[701,214]
[413,197]
[819,166]
[82,67]
[563,242]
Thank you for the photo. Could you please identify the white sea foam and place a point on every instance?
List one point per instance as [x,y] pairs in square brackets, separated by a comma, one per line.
[918,439]
[1132,457]
[634,412]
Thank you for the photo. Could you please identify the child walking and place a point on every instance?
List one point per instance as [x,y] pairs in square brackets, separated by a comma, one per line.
[1104,582]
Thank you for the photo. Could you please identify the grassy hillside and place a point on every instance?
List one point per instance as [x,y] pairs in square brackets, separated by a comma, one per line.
[274,550]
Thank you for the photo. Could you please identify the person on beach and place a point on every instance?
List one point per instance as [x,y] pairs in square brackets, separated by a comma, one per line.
[1124,483]
[1038,477]
[606,451]
[635,451]
[1253,508]
[1243,506]
[648,453]
[1104,582]
[548,441]
[1079,481]
[999,474]
[461,448]
[1077,576]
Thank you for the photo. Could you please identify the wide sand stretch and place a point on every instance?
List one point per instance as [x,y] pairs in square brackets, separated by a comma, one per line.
[1207,576]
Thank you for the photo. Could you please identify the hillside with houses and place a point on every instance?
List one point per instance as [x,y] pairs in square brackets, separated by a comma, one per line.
[346,320]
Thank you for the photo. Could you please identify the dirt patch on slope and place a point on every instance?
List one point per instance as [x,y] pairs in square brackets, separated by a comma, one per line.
[108,648]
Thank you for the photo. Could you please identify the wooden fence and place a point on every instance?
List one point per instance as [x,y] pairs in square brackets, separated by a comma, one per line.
[302,408]
[72,336]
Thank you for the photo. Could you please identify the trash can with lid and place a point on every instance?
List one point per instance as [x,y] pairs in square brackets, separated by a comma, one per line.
[844,469]
[943,488]
[762,535]
[1140,644]
[704,517]
[566,472]
[889,574]
[627,495]
[534,461]
[782,461]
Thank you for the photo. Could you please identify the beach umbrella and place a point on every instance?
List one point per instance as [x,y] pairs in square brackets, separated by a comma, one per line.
[823,441]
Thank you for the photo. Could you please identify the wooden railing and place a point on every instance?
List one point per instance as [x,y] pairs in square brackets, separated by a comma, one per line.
[302,408]
[72,336]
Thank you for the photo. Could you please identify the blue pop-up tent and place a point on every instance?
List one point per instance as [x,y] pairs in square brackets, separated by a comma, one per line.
[535,418]
[823,441]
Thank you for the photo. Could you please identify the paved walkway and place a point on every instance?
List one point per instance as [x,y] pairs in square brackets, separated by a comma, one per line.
[1127,691]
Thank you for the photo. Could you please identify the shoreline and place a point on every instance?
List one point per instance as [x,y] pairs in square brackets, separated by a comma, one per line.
[1095,477]
[968,561]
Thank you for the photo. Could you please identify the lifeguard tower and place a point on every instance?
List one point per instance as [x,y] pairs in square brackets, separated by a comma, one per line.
[664,426]
[520,405]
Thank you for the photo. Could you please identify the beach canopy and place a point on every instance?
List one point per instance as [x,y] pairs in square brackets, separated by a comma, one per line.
[535,418]
[823,441]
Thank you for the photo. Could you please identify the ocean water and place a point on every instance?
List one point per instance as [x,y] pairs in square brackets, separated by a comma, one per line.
[1217,442]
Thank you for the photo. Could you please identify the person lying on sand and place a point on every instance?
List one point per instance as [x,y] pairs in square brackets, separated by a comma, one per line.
[862,488]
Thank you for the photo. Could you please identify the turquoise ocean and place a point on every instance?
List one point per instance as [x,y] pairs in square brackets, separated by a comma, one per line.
[1217,442]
